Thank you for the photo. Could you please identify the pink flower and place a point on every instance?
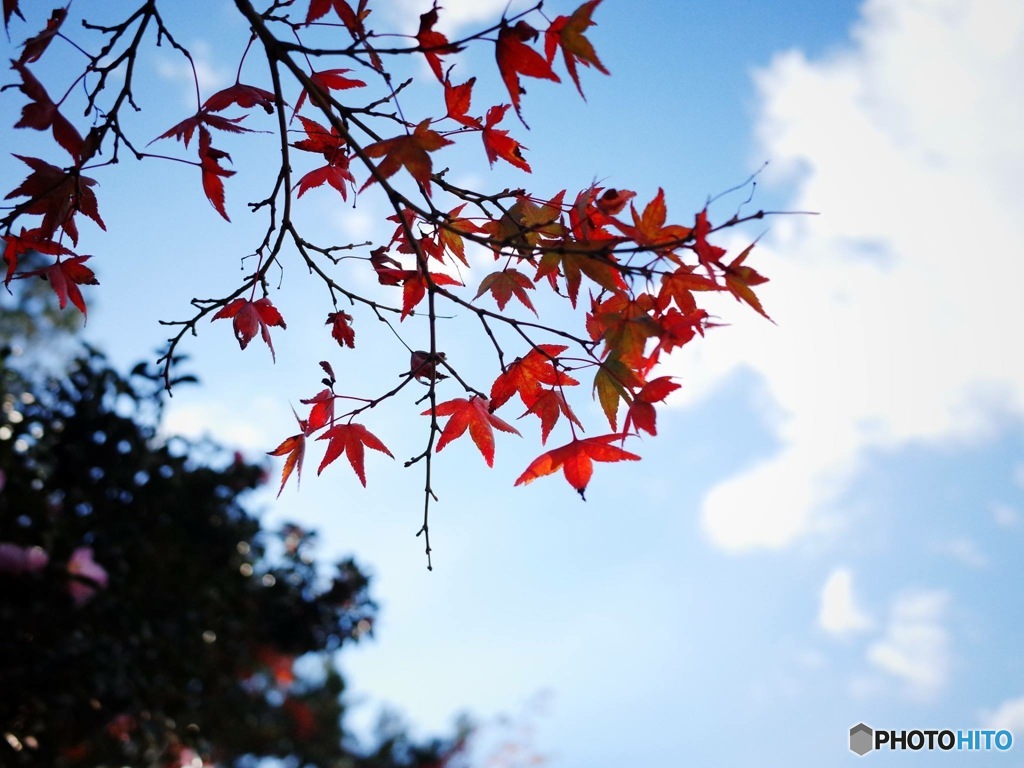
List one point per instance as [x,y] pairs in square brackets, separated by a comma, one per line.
[82,564]
[16,559]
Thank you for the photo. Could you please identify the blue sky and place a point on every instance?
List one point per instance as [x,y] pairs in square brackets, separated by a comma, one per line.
[826,530]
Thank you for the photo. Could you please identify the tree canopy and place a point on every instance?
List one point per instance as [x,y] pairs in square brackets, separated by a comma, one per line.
[147,617]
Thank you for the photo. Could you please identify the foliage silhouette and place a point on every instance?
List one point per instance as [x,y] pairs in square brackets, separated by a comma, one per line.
[146,618]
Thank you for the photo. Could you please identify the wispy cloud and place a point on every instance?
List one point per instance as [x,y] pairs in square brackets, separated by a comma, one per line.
[1009,715]
[208,73]
[915,646]
[894,305]
[456,16]
[839,613]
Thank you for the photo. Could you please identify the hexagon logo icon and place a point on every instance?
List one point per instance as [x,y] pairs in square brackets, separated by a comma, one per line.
[861,739]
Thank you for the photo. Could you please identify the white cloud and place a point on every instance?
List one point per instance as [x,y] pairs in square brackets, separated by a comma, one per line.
[456,16]
[198,420]
[1018,474]
[964,551]
[1008,715]
[839,613]
[1005,516]
[914,647]
[208,74]
[896,307]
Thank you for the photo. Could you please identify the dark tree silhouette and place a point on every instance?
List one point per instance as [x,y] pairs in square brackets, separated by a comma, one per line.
[146,619]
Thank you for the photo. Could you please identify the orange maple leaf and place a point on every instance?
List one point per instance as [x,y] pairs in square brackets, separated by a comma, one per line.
[498,143]
[566,32]
[525,375]
[548,406]
[739,278]
[295,449]
[649,228]
[504,285]
[472,414]
[576,459]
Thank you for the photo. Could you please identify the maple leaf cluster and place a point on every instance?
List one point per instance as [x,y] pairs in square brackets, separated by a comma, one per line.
[634,277]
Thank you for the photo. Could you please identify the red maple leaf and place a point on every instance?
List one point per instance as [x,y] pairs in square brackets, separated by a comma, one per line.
[336,176]
[29,240]
[184,130]
[433,44]
[341,329]
[641,410]
[10,9]
[566,32]
[35,46]
[319,8]
[330,144]
[319,138]
[329,80]
[245,96]
[516,58]
[209,162]
[250,316]
[457,99]
[65,276]
[498,143]
[576,459]
[548,406]
[415,288]
[678,329]
[472,414]
[525,375]
[42,114]
[322,411]
[58,195]
[409,152]
[350,439]
[707,253]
